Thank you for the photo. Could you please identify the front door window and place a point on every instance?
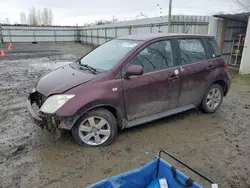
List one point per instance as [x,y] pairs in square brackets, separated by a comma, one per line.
[155,57]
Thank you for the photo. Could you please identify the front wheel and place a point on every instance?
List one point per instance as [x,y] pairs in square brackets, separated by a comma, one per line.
[212,99]
[95,128]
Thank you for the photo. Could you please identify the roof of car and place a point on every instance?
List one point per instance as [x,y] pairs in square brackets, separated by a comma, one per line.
[158,35]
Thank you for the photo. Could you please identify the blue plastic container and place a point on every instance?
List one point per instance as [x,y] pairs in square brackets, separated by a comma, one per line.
[141,177]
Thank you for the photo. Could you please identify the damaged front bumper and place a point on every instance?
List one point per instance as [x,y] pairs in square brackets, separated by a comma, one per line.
[50,122]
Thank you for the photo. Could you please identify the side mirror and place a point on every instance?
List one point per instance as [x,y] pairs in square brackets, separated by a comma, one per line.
[134,70]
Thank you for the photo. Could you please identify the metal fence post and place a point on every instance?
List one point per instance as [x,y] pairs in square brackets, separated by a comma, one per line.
[91,36]
[10,36]
[115,32]
[34,36]
[86,36]
[78,33]
[1,34]
[106,34]
[97,33]
[55,35]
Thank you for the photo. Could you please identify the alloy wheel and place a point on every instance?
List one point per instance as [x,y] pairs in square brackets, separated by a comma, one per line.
[213,99]
[94,130]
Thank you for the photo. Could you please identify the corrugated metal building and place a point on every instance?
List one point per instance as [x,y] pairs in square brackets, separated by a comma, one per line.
[233,34]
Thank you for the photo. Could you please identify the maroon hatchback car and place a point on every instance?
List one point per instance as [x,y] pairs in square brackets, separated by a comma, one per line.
[129,81]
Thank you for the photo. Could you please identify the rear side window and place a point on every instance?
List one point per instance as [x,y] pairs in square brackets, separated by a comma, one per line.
[213,48]
[191,50]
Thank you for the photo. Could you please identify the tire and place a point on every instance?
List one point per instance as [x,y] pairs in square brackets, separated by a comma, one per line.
[96,123]
[206,106]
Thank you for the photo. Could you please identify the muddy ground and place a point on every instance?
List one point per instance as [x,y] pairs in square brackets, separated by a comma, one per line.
[216,144]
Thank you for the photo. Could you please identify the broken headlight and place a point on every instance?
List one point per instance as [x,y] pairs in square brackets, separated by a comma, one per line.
[53,103]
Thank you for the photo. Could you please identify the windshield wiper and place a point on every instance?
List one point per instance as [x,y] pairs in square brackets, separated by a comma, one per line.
[91,69]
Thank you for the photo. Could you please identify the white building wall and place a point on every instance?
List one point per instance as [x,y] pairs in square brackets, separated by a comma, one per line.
[215,28]
[245,61]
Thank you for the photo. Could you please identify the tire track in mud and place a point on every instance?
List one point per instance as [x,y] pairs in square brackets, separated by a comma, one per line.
[17,132]
[19,71]
[14,84]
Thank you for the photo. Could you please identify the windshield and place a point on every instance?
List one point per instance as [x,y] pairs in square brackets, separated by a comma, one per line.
[109,54]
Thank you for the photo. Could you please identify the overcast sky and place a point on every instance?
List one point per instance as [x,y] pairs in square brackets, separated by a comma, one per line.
[70,12]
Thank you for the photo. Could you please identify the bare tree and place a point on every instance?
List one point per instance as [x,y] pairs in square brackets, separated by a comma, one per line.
[243,4]
[6,21]
[39,17]
[47,16]
[103,22]
[32,17]
[51,16]
[23,19]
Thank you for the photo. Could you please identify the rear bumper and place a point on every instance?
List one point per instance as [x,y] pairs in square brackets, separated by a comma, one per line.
[228,87]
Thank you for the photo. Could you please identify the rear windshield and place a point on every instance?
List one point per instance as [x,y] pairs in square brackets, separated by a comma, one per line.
[109,54]
[213,48]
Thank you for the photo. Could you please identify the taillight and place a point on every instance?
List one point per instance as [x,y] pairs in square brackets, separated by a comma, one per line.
[225,66]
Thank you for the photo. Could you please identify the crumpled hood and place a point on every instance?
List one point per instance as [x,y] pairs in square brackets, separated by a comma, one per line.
[62,79]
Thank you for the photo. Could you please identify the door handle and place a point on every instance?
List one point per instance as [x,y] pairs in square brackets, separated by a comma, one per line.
[210,67]
[173,77]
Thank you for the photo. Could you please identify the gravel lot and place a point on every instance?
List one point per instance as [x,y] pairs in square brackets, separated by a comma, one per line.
[216,144]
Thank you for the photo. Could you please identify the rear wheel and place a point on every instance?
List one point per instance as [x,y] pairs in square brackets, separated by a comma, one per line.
[212,99]
[95,128]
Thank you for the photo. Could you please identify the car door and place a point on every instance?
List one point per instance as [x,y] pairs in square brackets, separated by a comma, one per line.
[194,70]
[157,90]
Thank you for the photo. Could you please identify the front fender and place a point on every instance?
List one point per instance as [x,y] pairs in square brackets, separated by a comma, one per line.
[93,95]
[69,121]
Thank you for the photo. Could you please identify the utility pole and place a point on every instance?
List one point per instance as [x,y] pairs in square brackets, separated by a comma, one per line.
[160,20]
[169,15]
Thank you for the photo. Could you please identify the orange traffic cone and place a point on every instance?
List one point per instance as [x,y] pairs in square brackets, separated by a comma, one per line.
[2,53]
[10,46]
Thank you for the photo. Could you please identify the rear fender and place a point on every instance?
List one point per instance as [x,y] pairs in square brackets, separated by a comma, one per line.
[216,75]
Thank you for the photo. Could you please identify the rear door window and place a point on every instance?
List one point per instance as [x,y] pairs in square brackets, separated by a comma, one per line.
[191,51]
[213,48]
